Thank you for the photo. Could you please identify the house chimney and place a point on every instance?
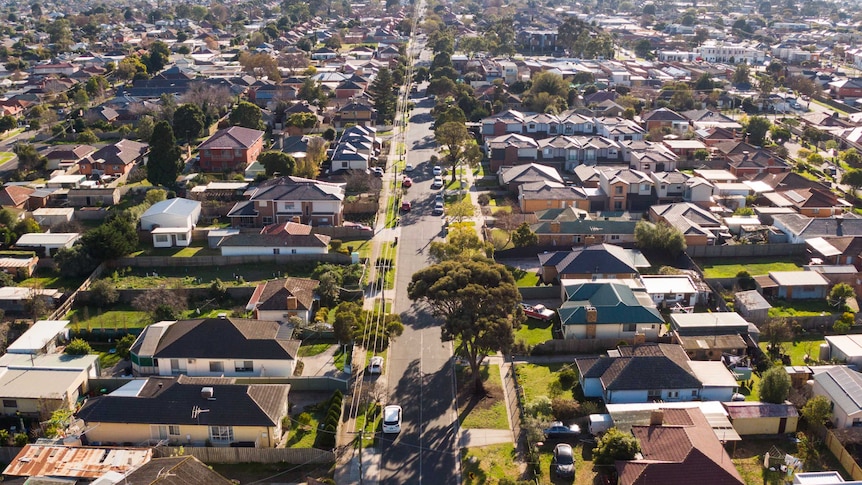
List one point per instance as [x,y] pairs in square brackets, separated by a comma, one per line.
[656,417]
[291,303]
[555,227]
[592,314]
[207,392]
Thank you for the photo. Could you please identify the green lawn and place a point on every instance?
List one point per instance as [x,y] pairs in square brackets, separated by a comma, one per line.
[339,358]
[536,379]
[117,317]
[799,348]
[522,277]
[534,332]
[488,411]
[500,239]
[313,349]
[585,473]
[800,308]
[304,436]
[368,421]
[48,278]
[5,157]
[488,464]
[729,268]
[362,246]
[107,359]
[202,276]
[197,248]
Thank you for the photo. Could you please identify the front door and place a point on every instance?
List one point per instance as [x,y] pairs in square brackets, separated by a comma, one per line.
[782,425]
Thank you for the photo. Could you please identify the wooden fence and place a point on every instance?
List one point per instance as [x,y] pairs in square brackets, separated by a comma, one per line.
[64,308]
[163,261]
[844,456]
[583,346]
[745,250]
[248,455]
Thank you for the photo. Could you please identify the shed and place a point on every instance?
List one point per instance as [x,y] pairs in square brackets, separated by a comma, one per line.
[216,235]
[52,216]
[171,221]
[47,243]
[845,348]
[751,305]
[42,337]
[759,418]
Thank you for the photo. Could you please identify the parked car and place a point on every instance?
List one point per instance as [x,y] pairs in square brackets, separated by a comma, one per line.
[539,312]
[437,183]
[437,170]
[407,182]
[392,419]
[439,197]
[737,397]
[375,365]
[409,167]
[564,461]
[558,430]
[438,209]
[355,225]
[406,206]
[377,171]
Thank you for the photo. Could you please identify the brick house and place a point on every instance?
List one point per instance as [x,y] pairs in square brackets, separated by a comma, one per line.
[289,199]
[232,149]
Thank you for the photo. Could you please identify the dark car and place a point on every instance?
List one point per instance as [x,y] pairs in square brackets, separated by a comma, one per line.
[564,461]
[560,431]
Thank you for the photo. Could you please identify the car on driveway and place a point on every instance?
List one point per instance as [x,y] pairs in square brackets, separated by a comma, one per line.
[438,209]
[564,461]
[437,183]
[377,171]
[355,225]
[559,431]
[437,170]
[375,365]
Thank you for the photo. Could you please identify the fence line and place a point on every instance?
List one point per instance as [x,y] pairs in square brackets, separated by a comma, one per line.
[248,455]
[745,250]
[162,261]
[67,305]
[848,462]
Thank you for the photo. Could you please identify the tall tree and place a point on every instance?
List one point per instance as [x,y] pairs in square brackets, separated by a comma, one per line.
[479,302]
[382,92]
[113,239]
[277,162]
[164,162]
[756,129]
[158,57]
[775,385]
[189,121]
[247,115]
[459,144]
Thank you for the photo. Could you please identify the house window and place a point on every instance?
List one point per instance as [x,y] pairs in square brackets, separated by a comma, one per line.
[10,403]
[181,237]
[630,327]
[276,250]
[672,394]
[646,167]
[807,288]
[161,238]
[618,205]
[618,190]
[654,394]
[175,366]
[267,220]
[694,393]
[221,433]
[217,366]
[174,430]
[615,237]
[857,422]
[243,366]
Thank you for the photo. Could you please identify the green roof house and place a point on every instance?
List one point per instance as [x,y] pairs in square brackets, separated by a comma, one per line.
[594,310]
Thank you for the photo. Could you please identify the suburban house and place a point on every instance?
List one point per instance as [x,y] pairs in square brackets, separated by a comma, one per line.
[115,160]
[761,418]
[511,178]
[293,199]
[187,470]
[231,149]
[793,285]
[15,197]
[699,226]
[709,336]
[594,310]
[574,227]
[215,347]
[281,238]
[65,156]
[664,118]
[48,243]
[678,446]
[541,195]
[843,387]
[278,300]
[171,221]
[653,372]
[355,112]
[590,262]
[192,411]
[670,291]
[800,228]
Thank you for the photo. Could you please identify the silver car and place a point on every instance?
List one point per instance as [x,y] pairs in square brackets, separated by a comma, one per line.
[564,461]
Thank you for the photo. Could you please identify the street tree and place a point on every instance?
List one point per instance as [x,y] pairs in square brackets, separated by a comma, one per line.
[775,385]
[457,142]
[853,178]
[463,209]
[460,242]
[277,162]
[817,410]
[164,161]
[479,303]
[382,93]
[189,121]
[247,115]
[524,236]
[660,236]
[615,445]
[28,158]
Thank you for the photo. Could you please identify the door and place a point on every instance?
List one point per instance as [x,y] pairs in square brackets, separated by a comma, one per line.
[782,425]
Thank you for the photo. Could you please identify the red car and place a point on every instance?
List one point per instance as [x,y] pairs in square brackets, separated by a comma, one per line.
[405,206]
[407,182]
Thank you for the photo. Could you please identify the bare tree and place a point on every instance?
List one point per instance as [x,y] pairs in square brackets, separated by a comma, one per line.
[293,61]
[213,101]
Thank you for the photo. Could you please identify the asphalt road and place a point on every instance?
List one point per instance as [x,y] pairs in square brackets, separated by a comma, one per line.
[420,371]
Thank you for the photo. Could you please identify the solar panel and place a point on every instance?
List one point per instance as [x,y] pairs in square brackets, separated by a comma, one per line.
[850,385]
[794,196]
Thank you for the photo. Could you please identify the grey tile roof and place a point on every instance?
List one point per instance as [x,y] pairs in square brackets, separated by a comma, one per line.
[233,137]
[225,338]
[601,258]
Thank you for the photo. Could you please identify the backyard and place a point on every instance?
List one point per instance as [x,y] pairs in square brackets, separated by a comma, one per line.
[800,308]
[729,268]
[203,276]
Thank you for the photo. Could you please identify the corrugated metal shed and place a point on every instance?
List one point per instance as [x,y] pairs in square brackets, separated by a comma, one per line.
[78,462]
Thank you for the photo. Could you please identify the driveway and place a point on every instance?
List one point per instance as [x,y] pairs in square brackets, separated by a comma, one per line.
[323,364]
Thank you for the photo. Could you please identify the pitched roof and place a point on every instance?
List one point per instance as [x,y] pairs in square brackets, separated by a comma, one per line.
[272,295]
[843,387]
[600,258]
[663,114]
[176,470]
[177,206]
[647,366]
[124,152]
[169,400]
[614,303]
[296,188]
[223,338]
[233,137]
[14,195]
[680,451]
[531,172]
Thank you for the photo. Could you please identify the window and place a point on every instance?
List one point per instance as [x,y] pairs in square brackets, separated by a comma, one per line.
[276,250]
[267,219]
[293,251]
[694,393]
[181,237]
[161,238]
[175,366]
[672,394]
[10,403]
[243,366]
[174,430]
[630,327]
[221,433]
[618,205]
[615,237]
[216,366]
[618,190]
[653,394]
[646,167]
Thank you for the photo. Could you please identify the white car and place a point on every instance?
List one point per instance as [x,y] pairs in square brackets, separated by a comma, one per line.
[375,366]
[438,209]
[437,170]
[409,167]
[437,183]
[392,419]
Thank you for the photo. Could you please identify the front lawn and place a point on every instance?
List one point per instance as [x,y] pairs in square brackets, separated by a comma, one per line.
[303,436]
[534,331]
[489,464]
[487,411]
[729,268]
[309,350]
[523,277]
[536,379]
